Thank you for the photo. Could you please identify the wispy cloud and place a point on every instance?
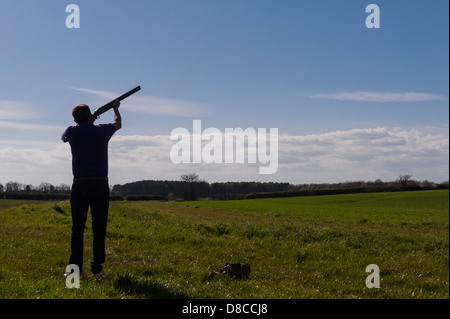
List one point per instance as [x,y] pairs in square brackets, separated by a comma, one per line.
[31,127]
[151,104]
[368,96]
[18,115]
[98,93]
[16,110]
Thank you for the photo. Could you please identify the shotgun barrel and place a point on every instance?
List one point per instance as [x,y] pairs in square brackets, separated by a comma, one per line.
[109,105]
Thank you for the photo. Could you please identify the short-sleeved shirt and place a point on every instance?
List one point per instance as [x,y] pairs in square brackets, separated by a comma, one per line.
[89,145]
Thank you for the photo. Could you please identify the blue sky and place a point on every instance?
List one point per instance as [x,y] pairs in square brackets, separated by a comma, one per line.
[312,69]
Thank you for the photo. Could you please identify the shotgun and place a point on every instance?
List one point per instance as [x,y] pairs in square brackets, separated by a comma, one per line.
[109,105]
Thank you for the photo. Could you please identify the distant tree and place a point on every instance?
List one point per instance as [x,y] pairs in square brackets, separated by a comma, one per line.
[45,188]
[378,182]
[427,184]
[403,180]
[12,187]
[62,188]
[191,185]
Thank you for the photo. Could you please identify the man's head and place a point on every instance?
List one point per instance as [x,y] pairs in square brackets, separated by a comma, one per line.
[82,113]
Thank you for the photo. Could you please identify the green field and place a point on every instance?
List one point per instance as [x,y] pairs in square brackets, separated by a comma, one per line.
[425,206]
[300,247]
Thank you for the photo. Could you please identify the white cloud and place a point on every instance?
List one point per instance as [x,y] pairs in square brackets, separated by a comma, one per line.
[366,154]
[359,154]
[368,96]
[34,162]
[152,105]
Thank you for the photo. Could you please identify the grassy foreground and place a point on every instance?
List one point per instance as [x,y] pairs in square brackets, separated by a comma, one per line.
[305,247]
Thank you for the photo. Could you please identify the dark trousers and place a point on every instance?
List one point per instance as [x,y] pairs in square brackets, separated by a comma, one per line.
[85,194]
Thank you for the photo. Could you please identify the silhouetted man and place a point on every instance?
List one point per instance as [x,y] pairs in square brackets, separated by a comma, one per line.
[89,146]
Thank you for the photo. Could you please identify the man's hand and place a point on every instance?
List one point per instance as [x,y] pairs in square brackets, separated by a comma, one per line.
[116,104]
[117,117]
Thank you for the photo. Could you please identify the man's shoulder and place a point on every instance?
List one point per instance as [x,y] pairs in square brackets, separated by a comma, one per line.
[74,129]
[105,125]
[107,129]
[71,127]
[78,127]
[66,133]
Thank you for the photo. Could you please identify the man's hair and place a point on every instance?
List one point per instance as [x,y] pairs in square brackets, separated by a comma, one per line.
[81,113]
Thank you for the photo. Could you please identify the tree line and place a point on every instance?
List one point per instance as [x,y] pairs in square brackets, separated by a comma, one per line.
[42,188]
[192,187]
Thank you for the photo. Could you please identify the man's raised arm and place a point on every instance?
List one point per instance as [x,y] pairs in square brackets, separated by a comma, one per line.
[117,117]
